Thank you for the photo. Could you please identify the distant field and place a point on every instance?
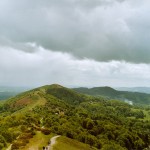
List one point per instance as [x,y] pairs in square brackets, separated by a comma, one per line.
[8,92]
[146,114]
[64,143]
[6,95]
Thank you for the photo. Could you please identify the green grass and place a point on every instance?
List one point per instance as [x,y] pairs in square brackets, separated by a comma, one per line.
[38,141]
[2,101]
[147,115]
[64,143]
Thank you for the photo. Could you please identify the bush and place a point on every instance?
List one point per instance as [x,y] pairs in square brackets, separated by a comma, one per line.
[1,145]
[2,141]
[26,136]
[46,131]
[17,144]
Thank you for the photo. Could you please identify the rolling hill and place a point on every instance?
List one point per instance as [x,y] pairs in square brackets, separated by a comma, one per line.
[39,96]
[7,92]
[131,97]
[54,109]
[135,89]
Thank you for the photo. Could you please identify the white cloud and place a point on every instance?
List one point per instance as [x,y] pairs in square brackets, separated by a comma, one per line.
[47,67]
[75,42]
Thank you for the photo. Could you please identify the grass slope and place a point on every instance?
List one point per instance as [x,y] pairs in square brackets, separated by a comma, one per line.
[64,143]
[38,141]
[25,101]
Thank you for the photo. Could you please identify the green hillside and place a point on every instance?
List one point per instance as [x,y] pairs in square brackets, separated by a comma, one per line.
[53,109]
[135,97]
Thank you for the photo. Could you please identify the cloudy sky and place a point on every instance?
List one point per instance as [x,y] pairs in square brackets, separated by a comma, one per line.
[75,42]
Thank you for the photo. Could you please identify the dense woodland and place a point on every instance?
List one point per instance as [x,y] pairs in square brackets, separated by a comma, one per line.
[110,93]
[102,123]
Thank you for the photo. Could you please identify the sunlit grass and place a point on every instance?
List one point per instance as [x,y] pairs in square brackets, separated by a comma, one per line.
[64,143]
[147,115]
[38,141]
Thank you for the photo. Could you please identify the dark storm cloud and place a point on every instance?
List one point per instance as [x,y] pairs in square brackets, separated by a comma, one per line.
[103,30]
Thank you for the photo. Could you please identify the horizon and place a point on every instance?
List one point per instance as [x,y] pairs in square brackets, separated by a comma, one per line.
[72,86]
[75,43]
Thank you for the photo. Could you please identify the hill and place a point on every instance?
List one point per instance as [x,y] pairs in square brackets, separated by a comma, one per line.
[97,91]
[131,97]
[135,89]
[54,109]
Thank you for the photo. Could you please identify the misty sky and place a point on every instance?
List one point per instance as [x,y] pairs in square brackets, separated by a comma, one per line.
[75,42]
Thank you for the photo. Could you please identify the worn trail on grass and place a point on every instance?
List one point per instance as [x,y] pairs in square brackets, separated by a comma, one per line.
[53,141]
[9,148]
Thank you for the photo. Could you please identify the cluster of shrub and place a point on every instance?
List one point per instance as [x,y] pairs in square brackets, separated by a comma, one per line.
[99,123]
